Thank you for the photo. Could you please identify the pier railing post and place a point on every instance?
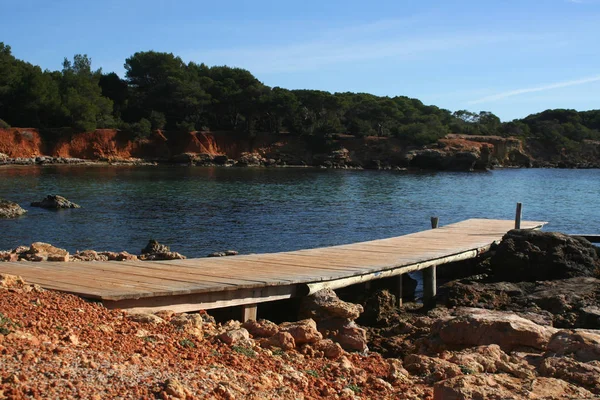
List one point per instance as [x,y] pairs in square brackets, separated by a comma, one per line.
[429,276]
[518,216]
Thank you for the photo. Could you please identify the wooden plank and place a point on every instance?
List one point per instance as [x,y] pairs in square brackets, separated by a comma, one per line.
[204,301]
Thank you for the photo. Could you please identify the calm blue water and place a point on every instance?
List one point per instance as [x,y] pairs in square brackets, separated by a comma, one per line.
[200,210]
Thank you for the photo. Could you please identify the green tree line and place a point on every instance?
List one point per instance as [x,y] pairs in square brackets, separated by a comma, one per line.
[161,91]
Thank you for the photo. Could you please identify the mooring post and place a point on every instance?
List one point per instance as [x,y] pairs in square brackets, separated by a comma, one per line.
[429,276]
[518,216]
[399,282]
[249,311]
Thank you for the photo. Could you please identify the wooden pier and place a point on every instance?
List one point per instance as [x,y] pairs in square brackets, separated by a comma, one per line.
[246,280]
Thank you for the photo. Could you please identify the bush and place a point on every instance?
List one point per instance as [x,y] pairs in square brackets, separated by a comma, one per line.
[4,124]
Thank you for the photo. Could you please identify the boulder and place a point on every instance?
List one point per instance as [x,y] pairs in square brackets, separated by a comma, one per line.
[430,368]
[234,336]
[581,344]
[121,256]
[53,201]
[325,304]
[9,256]
[282,340]
[9,209]
[304,331]
[155,251]
[329,348]
[501,386]
[11,281]
[189,323]
[380,309]
[88,255]
[261,328]
[490,359]
[44,252]
[575,372]
[154,247]
[529,255]
[350,336]
[476,327]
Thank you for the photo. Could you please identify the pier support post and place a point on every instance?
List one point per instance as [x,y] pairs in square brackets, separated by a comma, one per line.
[429,276]
[249,311]
[518,216]
[399,283]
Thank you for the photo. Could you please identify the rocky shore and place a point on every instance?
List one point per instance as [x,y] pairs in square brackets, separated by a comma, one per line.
[24,146]
[523,322]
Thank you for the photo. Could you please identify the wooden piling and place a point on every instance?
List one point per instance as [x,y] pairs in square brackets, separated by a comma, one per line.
[249,311]
[430,276]
[518,216]
[399,283]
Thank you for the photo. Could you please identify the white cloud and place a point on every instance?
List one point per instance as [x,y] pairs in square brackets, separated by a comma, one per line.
[550,86]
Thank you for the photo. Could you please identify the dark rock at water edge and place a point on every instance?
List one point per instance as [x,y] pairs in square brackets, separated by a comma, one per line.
[9,209]
[567,303]
[53,201]
[155,251]
[223,253]
[525,255]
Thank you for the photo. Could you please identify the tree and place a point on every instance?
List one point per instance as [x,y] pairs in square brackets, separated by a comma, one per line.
[81,94]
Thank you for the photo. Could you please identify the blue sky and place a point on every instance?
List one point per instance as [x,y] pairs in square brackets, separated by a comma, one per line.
[509,57]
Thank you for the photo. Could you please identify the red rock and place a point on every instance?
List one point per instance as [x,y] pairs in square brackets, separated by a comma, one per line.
[352,337]
[261,328]
[329,348]
[235,336]
[573,371]
[45,252]
[476,326]
[582,344]
[501,386]
[431,368]
[304,331]
[283,340]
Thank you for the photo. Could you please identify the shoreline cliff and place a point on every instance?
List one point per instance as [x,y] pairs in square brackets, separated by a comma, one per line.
[28,146]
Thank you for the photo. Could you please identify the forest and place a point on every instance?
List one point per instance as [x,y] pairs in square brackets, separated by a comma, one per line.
[161,91]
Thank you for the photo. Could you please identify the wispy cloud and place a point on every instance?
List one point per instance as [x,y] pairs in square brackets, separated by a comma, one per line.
[311,55]
[551,86]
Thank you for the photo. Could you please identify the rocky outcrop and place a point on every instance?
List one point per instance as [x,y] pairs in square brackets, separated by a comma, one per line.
[503,386]
[335,319]
[92,255]
[568,303]
[527,255]
[581,344]
[56,202]
[9,209]
[502,151]
[476,327]
[155,251]
[44,252]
